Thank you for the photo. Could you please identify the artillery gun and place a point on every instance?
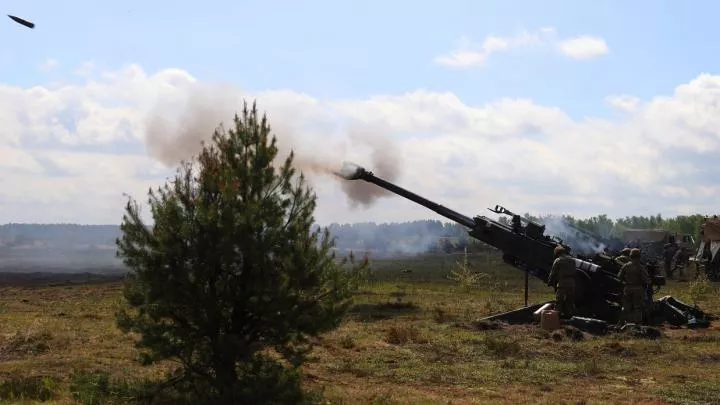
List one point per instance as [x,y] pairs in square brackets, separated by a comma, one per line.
[652,242]
[525,246]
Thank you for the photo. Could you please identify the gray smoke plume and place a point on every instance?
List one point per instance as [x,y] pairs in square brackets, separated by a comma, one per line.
[385,160]
[175,130]
[579,242]
[176,138]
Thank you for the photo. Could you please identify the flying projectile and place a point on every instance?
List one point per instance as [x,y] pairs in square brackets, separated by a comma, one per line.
[21,21]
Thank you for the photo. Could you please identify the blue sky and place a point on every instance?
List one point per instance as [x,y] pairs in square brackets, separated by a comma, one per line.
[345,53]
[354,49]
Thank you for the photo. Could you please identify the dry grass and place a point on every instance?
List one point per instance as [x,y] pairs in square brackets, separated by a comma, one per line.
[50,334]
[403,342]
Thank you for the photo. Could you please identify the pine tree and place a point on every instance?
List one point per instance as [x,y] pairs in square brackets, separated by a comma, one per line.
[231,267]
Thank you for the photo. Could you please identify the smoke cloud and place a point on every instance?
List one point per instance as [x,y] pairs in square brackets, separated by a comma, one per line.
[178,137]
[176,126]
[580,243]
[384,157]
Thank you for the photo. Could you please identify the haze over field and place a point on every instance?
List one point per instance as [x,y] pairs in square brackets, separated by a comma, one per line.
[67,248]
[72,248]
[545,108]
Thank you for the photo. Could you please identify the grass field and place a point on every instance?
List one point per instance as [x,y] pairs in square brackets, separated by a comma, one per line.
[410,338]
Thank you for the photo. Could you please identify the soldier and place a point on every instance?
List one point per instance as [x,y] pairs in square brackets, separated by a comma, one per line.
[669,250]
[623,257]
[636,279]
[562,277]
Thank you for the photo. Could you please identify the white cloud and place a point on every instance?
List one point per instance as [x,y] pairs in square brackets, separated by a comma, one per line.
[468,54]
[69,152]
[86,69]
[623,102]
[49,65]
[461,58]
[583,47]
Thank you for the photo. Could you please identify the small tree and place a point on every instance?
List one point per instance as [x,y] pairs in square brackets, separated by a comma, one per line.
[464,275]
[231,268]
[699,288]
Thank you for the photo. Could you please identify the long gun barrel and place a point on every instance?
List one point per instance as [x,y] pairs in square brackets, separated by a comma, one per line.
[525,243]
[444,211]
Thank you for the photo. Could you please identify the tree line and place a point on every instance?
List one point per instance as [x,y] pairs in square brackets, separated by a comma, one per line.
[606,227]
[382,238]
[433,235]
[58,235]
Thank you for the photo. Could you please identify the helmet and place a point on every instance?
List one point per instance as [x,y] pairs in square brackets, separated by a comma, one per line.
[635,253]
[625,252]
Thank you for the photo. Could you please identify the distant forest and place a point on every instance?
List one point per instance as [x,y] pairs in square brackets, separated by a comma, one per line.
[432,235]
[58,235]
[385,238]
[606,227]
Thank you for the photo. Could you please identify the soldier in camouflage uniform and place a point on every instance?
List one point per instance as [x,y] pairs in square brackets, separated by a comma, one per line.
[669,253]
[623,257]
[636,279]
[562,277]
